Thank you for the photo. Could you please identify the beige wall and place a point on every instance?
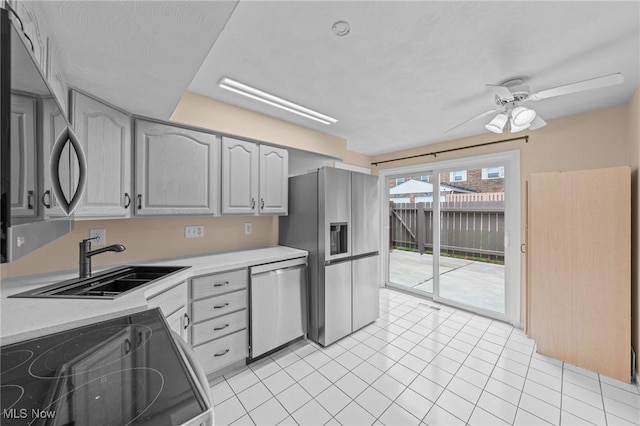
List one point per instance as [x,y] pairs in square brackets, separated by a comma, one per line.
[598,139]
[633,118]
[148,239]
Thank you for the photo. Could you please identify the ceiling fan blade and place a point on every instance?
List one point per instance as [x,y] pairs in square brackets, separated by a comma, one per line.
[593,83]
[474,118]
[501,91]
[537,123]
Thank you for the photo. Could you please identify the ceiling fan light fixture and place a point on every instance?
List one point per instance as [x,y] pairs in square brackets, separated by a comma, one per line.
[273,100]
[497,124]
[515,128]
[521,117]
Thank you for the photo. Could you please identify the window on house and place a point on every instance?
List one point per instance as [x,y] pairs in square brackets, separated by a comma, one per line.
[459,176]
[493,173]
[424,178]
[399,181]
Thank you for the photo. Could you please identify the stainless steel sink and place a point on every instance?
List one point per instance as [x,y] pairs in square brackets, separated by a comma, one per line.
[106,285]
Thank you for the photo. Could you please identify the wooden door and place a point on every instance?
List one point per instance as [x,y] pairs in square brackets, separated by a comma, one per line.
[176,170]
[105,135]
[580,267]
[239,177]
[274,180]
[23,156]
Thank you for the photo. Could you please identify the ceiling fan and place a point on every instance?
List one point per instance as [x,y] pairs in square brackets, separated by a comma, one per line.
[512,93]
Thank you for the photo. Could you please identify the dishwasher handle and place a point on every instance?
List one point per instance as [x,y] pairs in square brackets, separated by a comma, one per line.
[281,265]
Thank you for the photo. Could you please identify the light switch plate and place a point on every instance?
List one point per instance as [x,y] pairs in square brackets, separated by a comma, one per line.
[248,228]
[194,231]
[101,234]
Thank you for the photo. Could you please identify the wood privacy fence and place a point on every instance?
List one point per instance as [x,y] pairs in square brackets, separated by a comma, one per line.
[470,225]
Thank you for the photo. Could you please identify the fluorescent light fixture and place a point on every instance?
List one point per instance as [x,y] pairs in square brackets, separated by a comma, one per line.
[522,116]
[497,124]
[267,98]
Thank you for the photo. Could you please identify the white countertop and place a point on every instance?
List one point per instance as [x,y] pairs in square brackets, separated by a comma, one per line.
[26,318]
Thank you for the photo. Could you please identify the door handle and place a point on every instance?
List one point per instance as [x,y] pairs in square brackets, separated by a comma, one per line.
[221,284]
[253,203]
[222,353]
[30,200]
[220,328]
[139,201]
[261,203]
[47,194]
[187,321]
[127,200]
[224,305]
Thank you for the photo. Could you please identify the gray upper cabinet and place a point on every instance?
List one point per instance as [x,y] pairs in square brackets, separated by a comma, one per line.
[105,134]
[274,185]
[177,170]
[239,176]
[53,123]
[254,178]
[23,156]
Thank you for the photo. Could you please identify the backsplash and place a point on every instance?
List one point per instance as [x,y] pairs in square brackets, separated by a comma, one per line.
[148,239]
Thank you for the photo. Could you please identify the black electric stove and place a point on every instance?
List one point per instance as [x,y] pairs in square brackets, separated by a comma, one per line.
[124,371]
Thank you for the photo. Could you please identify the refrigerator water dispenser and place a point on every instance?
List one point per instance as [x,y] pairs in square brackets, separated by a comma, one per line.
[338,238]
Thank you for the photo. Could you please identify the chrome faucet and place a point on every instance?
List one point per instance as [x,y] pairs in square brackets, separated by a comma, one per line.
[84,264]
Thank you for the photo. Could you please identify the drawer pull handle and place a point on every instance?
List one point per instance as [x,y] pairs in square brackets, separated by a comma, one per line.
[220,328]
[224,305]
[221,284]
[221,353]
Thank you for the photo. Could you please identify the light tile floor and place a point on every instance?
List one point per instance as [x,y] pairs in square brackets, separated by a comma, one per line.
[417,365]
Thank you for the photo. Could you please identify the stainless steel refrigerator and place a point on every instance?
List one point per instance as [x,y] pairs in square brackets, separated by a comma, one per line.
[334,215]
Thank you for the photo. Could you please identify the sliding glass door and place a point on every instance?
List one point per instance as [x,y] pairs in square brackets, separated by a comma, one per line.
[449,230]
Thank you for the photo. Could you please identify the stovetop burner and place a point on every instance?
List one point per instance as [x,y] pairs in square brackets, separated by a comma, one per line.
[109,373]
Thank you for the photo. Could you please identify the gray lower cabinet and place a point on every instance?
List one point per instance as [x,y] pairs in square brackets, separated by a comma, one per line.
[218,305]
[177,170]
[173,304]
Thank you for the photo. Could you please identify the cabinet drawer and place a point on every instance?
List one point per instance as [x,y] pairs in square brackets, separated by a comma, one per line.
[218,327]
[170,300]
[223,351]
[220,305]
[210,285]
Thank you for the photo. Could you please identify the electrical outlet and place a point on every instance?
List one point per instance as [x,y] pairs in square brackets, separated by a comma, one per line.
[194,231]
[248,228]
[101,235]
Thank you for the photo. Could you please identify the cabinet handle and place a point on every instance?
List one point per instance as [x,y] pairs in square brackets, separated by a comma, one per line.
[222,353]
[261,203]
[221,284]
[127,200]
[253,203]
[224,305]
[187,321]
[30,200]
[47,194]
[127,346]
[220,328]
[139,201]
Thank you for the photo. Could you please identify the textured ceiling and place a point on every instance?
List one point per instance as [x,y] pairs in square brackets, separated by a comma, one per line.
[406,73]
[137,55]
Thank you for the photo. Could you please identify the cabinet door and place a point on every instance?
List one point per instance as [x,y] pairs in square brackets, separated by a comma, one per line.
[274,184]
[53,123]
[176,170]
[105,135]
[365,278]
[239,177]
[23,156]
[179,323]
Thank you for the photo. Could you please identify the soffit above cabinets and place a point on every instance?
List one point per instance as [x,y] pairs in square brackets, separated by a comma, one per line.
[137,55]
[405,73]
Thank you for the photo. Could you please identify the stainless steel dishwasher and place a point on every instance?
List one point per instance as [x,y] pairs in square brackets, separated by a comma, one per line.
[278,299]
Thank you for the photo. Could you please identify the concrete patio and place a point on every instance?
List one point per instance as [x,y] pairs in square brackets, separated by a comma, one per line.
[473,283]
